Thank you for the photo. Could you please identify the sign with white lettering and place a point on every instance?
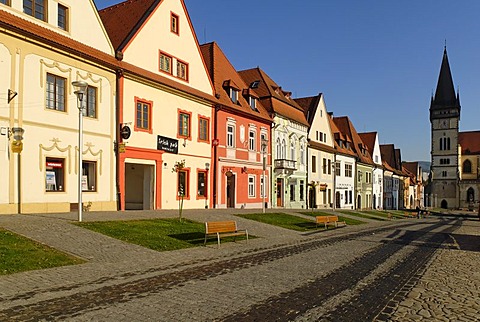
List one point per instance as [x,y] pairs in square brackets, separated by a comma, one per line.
[167,144]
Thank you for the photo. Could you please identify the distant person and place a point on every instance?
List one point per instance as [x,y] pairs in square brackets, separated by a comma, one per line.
[418,212]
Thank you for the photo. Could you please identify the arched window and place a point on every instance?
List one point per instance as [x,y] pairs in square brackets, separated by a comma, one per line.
[292,151]
[441,144]
[467,166]
[302,154]
[284,149]
[470,195]
[448,144]
[278,149]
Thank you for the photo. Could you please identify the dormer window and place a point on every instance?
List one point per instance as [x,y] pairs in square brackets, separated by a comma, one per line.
[62,17]
[174,20]
[253,103]
[7,2]
[35,8]
[234,95]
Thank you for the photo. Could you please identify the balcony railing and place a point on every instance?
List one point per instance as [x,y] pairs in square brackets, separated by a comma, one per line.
[285,164]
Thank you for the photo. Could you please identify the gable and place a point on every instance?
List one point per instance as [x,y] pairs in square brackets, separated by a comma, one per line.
[152,37]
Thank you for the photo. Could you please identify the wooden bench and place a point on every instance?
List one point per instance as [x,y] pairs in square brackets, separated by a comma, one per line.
[328,220]
[223,229]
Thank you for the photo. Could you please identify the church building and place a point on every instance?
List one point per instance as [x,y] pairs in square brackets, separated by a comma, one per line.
[455,155]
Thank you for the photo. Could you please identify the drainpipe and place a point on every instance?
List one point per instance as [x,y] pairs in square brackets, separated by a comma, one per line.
[215,161]
[119,74]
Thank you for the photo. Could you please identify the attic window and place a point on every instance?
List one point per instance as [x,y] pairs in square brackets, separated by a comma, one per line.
[165,63]
[253,103]
[255,84]
[174,21]
[233,95]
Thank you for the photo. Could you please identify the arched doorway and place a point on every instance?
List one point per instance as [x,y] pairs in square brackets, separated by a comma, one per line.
[444,204]
[337,199]
[411,202]
[470,195]
[359,202]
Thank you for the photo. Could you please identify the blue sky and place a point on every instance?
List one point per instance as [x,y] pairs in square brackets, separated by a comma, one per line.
[375,61]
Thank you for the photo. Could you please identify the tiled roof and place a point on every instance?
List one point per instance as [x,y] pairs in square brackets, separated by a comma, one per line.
[411,167]
[470,142]
[321,147]
[123,19]
[346,126]
[50,38]
[391,158]
[222,73]
[369,139]
[337,133]
[309,105]
[273,97]
[445,92]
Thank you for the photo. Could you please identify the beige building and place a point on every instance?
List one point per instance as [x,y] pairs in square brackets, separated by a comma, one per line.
[44,47]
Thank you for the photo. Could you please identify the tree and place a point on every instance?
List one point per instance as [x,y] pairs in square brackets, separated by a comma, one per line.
[180,165]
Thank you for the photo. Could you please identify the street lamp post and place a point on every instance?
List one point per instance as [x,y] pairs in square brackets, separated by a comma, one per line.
[264,166]
[80,91]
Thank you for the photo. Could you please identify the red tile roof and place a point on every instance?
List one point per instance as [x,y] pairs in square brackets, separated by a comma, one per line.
[273,97]
[337,133]
[470,142]
[224,74]
[369,139]
[309,105]
[346,127]
[123,19]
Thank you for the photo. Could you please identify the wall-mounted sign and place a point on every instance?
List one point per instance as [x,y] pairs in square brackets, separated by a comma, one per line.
[323,187]
[167,144]
[125,132]
[17,146]
[121,148]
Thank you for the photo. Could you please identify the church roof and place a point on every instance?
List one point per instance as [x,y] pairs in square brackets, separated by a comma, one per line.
[445,93]
[470,142]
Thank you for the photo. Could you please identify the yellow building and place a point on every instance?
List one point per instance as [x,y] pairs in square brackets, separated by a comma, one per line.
[44,47]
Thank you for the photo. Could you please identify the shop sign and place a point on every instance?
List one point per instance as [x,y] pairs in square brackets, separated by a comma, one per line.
[54,164]
[167,144]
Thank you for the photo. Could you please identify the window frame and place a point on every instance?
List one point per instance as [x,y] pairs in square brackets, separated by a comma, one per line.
[180,63]
[207,129]
[348,170]
[180,135]
[186,190]
[33,9]
[86,113]
[230,136]
[150,112]
[314,164]
[59,180]
[465,168]
[55,93]
[65,19]
[7,2]
[93,175]
[170,57]
[252,139]
[251,186]
[233,94]
[205,184]
[174,27]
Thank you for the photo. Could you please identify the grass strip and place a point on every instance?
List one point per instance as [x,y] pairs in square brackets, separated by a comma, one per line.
[361,215]
[20,254]
[282,220]
[348,221]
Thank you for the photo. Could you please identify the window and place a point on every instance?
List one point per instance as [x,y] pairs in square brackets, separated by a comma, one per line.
[183,180]
[444,144]
[91,102]
[350,194]
[324,166]
[445,161]
[337,168]
[174,20]
[184,125]
[233,95]
[203,129]
[7,2]
[251,186]
[359,176]
[202,184]
[56,92]
[182,70]
[89,176]
[376,159]
[165,63]
[467,166]
[348,170]
[143,115]
[346,197]
[314,164]
[230,136]
[302,155]
[302,187]
[292,151]
[62,20]
[264,142]
[263,192]
[284,150]
[444,174]
[292,192]
[251,140]
[35,8]
[253,103]
[329,167]
[54,175]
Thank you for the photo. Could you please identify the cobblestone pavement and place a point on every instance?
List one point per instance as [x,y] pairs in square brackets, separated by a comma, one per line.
[403,270]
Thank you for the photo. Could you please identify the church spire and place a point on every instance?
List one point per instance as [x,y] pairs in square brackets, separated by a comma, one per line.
[445,94]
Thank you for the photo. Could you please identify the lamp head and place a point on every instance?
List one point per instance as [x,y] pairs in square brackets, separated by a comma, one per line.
[80,89]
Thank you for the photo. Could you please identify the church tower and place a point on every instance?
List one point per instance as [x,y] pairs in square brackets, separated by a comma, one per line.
[444,120]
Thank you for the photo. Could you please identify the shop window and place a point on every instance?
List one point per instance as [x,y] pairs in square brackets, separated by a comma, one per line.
[89,176]
[183,183]
[202,184]
[54,175]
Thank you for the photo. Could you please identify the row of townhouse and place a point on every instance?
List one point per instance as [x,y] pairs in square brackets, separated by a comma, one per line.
[167,120]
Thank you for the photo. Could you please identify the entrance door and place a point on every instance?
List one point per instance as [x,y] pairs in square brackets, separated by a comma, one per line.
[231,191]
[444,204]
[279,192]
[312,196]
[139,186]
[359,202]
[337,200]
[374,201]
